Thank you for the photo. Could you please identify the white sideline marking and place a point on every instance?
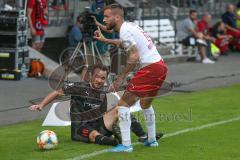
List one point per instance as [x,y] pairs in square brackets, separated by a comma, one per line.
[85,156]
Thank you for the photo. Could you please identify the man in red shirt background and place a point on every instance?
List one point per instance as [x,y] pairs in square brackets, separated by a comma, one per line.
[203,26]
[36,12]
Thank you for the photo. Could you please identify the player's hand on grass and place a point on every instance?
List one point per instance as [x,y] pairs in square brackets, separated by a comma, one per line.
[36,107]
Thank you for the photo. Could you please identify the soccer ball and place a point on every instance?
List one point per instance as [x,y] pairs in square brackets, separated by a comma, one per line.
[47,140]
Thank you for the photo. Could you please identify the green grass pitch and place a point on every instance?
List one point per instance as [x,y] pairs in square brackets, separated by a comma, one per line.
[173,113]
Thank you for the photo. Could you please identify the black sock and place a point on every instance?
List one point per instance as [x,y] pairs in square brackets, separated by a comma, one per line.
[104,140]
[136,127]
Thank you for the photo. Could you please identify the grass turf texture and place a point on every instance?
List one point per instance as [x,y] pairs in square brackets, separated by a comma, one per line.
[173,113]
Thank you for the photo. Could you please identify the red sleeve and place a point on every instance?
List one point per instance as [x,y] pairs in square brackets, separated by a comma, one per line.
[200,26]
[31,3]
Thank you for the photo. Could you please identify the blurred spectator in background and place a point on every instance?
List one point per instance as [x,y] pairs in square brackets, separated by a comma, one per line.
[75,34]
[189,36]
[100,4]
[238,14]
[230,20]
[204,26]
[222,39]
[55,5]
[97,7]
[36,13]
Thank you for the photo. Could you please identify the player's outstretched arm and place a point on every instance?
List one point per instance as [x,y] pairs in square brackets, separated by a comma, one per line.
[115,42]
[99,36]
[133,59]
[48,99]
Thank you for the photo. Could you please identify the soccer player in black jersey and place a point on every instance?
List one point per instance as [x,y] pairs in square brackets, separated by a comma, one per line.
[97,129]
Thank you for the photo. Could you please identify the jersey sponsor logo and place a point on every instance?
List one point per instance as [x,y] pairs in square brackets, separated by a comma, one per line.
[91,105]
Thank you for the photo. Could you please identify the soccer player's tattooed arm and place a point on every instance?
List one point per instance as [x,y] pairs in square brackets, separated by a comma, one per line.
[133,59]
[115,42]
[48,99]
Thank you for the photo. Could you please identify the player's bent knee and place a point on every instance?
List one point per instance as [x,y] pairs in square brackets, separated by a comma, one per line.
[93,135]
[146,103]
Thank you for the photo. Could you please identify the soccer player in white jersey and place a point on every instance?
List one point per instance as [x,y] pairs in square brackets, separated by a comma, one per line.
[147,81]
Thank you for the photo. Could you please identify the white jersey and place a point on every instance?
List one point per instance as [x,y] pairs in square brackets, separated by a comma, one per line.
[132,34]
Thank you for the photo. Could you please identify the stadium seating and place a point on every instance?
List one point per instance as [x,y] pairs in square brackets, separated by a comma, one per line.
[164,34]
[163,31]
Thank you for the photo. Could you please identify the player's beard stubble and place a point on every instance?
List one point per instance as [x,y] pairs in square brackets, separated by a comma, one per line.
[111,25]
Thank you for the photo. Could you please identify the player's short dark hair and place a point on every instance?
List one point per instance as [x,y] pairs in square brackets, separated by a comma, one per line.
[99,66]
[192,11]
[115,6]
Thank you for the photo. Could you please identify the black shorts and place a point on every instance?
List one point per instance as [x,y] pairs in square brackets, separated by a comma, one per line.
[189,41]
[81,131]
[192,41]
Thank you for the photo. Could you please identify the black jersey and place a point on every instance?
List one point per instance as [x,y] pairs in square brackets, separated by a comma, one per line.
[85,101]
[86,108]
